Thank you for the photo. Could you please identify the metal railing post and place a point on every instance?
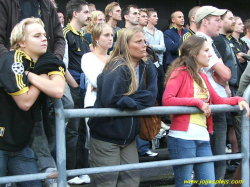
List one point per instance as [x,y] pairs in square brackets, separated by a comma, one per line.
[245,142]
[60,143]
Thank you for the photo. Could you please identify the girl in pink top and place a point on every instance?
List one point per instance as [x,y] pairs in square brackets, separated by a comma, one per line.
[186,85]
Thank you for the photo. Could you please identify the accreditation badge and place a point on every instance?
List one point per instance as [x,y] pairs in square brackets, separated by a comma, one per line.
[2,131]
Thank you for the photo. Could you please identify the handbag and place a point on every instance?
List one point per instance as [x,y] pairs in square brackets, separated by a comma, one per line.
[150,125]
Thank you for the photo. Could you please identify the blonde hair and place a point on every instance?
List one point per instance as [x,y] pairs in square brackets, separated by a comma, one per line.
[122,53]
[96,32]
[109,8]
[18,33]
[247,25]
[92,20]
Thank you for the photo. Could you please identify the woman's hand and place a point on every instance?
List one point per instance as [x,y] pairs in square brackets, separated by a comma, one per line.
[243,104]
[206,109]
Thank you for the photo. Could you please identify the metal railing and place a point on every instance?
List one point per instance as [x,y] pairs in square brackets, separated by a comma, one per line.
[61,114]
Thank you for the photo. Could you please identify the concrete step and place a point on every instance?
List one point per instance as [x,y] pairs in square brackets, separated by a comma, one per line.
[161,176]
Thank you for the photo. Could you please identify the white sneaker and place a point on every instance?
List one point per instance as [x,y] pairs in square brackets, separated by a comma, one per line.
[86,178]
[76,180]
[50,182]
[150,153]
[164,126]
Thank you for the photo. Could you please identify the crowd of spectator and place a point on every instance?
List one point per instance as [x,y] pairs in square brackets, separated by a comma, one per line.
[85,59]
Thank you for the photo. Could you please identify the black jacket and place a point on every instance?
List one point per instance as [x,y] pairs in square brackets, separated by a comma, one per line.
[229,58]
[111,85]
[10,12]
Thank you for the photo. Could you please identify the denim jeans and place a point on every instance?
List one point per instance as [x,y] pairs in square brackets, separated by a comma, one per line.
[180,148]
[40,146]
[142,145]
[218,144]
[19,163]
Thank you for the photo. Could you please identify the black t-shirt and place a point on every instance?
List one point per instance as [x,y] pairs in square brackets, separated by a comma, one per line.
[240,46]
[15,124]
[225,49]
[77,47]
[29,8]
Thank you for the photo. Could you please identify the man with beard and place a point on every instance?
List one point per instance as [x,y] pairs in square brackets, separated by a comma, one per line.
[223,45]
[76,153]
[225,48]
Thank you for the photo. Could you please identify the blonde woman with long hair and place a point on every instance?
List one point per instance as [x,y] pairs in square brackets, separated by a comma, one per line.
[95,18]
[121,85]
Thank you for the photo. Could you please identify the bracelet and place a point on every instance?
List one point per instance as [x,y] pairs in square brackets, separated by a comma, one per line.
[27,74]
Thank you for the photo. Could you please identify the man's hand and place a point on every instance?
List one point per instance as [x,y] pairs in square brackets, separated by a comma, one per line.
[240,58]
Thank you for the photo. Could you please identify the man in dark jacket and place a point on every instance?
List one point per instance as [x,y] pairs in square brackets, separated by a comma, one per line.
[12,11]
[172,36]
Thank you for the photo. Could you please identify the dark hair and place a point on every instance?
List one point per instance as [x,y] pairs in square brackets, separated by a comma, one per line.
[74,6]
[126,9]
[190,48]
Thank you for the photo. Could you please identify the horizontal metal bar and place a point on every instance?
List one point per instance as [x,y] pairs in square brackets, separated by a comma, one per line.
[153,164]
[29,177]
[42,176]
[159,110]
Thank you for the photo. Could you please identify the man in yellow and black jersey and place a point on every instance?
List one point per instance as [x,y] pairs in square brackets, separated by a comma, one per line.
[76,153]
[25,73]
[193,28]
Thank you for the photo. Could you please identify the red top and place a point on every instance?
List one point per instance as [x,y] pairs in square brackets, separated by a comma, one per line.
[180,92]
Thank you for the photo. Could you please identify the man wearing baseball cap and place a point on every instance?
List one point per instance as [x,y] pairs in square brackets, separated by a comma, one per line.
[208,21]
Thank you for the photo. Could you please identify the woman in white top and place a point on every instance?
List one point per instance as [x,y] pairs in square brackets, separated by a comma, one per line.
[93,62]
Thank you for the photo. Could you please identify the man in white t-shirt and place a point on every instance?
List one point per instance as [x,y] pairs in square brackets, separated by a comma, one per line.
[208,21]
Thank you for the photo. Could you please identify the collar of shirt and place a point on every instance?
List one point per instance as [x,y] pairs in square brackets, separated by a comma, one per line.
[147,31]
[209,39]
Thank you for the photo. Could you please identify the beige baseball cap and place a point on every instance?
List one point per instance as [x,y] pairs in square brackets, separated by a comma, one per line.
[208,10]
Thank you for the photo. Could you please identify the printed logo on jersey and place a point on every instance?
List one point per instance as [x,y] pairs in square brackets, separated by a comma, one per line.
[18,68]
[2,131]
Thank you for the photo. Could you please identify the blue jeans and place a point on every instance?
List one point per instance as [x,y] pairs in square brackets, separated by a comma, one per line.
[19,163]
[142,145]
[180,148]
[40,145]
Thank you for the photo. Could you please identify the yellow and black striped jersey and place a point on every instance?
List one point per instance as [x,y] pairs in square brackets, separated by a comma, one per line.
[12,71]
